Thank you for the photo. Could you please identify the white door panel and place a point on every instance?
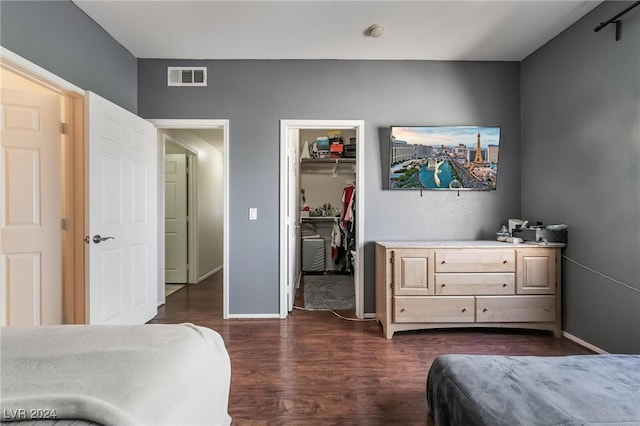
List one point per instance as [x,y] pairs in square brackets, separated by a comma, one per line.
[292,220]
[122,182]
[30,235]
[176,218]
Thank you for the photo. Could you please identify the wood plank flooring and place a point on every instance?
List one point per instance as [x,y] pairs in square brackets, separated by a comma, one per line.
[314,368]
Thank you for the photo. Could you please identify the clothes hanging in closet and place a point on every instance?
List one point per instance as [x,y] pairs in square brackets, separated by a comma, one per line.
[348,226]
[348,195]
[336,240]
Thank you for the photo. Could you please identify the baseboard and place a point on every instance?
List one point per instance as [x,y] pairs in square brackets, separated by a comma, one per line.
[582,343]
[253,316]
[370,315]
[208,274]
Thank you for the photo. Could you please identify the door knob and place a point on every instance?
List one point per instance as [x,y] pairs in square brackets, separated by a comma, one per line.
[98,239]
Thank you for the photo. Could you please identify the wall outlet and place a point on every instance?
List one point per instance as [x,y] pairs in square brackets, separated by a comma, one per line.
[253,213]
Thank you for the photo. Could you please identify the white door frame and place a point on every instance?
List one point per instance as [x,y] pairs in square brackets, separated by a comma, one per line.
[285,148]
[203,124]
[73,245]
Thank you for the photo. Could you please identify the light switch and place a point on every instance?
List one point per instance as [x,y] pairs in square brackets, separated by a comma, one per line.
[253,213]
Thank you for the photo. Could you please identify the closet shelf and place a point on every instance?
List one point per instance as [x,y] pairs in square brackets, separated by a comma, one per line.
[320,218]
[327,160]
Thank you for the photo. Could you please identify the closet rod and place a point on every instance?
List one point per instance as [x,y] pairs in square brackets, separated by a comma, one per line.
[617,21]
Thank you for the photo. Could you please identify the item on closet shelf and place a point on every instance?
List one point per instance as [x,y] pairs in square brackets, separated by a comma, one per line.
[306,151]
[308,230]
[323,143]
[349,151]
[336,150]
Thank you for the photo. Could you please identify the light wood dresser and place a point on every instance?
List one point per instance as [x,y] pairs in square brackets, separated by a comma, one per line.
[444,284]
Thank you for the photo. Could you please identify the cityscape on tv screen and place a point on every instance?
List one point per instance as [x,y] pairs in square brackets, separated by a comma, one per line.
[444,157]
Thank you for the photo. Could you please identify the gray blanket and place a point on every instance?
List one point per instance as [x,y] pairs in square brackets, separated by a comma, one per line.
[114,375]
[527,390]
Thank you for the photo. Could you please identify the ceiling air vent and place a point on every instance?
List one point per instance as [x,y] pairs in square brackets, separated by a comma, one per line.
[181,76]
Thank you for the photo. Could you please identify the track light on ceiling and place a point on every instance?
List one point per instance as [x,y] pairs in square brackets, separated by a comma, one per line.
[375,30]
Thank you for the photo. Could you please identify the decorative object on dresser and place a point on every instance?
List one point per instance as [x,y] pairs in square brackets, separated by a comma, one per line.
[444,284]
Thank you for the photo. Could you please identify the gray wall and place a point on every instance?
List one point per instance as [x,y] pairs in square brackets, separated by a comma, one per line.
[256,95]
[580,145]
[581,166]
[62,39]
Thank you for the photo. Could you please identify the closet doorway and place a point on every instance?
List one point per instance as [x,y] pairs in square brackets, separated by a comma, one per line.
[330,178]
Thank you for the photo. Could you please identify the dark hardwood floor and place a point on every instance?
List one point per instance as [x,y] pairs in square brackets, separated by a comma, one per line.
[314,368]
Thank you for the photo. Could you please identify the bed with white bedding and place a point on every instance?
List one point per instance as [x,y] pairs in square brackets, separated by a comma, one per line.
[152,374]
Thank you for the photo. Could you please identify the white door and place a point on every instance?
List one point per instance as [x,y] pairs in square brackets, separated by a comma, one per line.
[292,219]
[122,223]
[175,178]
[30,221]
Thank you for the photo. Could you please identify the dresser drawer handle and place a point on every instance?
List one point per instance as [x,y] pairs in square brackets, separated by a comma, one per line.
[504,261]
[443,262]
[443,285]
[485,310]
[402,310]
[464,309]
[504,285]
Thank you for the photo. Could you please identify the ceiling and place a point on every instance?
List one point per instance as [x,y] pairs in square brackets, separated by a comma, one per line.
[321,29]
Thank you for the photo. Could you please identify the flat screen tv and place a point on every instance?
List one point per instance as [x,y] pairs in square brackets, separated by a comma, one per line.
[444,157]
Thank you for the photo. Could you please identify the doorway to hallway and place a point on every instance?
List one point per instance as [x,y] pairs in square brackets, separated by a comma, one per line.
[207,236]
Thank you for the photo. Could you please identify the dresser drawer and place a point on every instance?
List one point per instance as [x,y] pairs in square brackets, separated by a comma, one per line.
[515,308]
[433,309]
[475,261]
[475,284]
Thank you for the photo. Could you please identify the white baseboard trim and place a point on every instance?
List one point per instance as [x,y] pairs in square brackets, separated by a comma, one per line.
[253,316]
[370,315]
[208,274]
[582,343]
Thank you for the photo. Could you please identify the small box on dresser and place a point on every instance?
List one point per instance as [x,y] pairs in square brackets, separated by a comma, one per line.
[443,284]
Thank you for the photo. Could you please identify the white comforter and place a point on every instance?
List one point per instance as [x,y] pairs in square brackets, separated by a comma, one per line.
[115,375]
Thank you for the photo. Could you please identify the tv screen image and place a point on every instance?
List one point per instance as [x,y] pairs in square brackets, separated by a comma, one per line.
[444,157]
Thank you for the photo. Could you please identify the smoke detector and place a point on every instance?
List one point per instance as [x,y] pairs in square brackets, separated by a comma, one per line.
[375,30]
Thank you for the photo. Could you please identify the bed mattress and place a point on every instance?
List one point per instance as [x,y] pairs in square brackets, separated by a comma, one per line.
[527,390]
